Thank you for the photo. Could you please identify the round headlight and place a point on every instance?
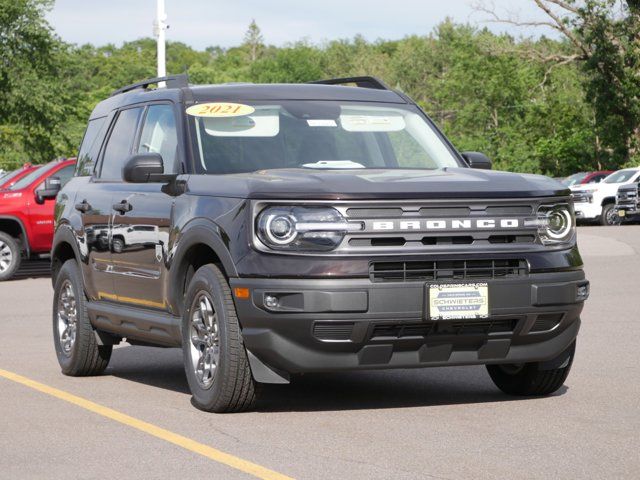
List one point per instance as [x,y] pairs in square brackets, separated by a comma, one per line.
[280,229]
[302,228]
[559,223]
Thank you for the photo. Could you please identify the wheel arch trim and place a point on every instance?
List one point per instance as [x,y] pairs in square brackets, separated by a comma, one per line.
[199,231]
[24,231]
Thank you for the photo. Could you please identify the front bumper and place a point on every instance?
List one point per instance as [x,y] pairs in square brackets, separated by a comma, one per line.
[587,211]
[350,324]
[627,211]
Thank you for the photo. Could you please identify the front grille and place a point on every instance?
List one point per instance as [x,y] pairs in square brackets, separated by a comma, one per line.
[467,327]
[446,270]
[582,197]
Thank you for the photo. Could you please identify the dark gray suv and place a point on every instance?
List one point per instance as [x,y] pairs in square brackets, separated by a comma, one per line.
[273,230]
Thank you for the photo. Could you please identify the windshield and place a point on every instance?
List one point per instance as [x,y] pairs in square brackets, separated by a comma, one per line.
[7,177]
[574,179]
[620,176]
[28,179]
[234,138]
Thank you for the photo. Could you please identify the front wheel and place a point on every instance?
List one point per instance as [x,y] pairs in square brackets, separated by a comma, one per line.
[609,215]
[215,360]
[529,379]
[10,256]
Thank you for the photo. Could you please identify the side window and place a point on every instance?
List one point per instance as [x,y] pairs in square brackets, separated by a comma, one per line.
[64,174]
[90,146]
[119,144]
[159,135]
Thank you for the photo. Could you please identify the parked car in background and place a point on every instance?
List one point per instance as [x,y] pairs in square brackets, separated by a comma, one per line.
[596,202]
[585,178]
[9,178]
[26,214]
[627,203]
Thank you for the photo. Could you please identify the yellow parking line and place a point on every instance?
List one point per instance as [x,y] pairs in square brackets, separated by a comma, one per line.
[184,442]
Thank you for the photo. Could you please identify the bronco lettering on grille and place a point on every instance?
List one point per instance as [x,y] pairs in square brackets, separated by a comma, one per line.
[445,224]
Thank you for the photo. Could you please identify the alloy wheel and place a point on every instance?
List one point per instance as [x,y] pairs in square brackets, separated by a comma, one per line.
[6,257]
[67,317]
[613,218]
[205,339]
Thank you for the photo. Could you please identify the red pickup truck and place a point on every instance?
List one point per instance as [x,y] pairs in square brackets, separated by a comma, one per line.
[26,214]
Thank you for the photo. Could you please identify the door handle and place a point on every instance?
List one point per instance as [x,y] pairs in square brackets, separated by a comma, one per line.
[123,207]
[83,206]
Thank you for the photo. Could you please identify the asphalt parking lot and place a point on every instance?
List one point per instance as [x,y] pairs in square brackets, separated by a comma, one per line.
[136,421]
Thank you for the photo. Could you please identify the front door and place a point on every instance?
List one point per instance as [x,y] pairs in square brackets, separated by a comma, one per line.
[41,212]
[142,218]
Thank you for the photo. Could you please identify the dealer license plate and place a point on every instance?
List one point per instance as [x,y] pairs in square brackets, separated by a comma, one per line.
[458,301]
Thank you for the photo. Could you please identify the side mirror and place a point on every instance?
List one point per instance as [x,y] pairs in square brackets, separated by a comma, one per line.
[143,168]
[52,186]
[477,160]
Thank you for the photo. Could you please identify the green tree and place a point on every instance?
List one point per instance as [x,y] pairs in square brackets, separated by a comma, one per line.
[253,41]
[34,101]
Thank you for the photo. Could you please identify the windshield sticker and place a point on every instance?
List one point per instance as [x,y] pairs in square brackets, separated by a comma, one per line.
[322,123]
[220,109]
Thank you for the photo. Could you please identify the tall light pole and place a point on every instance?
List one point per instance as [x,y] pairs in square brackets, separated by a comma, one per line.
[159,26]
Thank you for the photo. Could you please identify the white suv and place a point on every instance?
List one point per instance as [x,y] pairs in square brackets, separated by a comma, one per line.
[597,201]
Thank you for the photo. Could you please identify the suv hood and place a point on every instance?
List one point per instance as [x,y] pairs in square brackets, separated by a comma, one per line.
[376,184]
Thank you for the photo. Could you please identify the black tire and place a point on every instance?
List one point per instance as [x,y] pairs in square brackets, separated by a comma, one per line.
[10,256]
[609,217]
[229,387]
[528,379]
[118,245]
[82,356]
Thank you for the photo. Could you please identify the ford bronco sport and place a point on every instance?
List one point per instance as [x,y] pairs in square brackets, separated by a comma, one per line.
[272,230]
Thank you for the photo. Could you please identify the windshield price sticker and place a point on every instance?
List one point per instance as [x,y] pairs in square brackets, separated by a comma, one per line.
[458,301]
[220,110]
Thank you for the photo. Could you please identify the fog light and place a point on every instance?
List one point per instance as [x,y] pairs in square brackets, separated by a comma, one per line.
[582,292]
[271,301]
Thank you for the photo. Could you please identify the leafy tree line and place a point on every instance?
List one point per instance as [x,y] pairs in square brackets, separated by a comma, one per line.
[542,106]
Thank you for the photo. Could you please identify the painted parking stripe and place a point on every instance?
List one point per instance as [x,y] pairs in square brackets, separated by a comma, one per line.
[166,435]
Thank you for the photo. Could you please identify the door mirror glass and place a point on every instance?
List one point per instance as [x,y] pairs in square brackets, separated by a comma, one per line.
[143,168]
[477,160]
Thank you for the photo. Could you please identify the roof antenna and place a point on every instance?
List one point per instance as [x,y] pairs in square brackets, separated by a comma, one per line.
[159,26]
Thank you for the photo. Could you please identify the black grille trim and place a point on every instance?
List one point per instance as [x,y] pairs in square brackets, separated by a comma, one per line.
[333,331]
[446,270]
[428,329]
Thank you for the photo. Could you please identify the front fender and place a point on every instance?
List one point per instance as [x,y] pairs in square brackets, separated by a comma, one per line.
[200,231]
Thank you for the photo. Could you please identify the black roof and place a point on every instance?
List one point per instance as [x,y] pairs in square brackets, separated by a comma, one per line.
[248,92]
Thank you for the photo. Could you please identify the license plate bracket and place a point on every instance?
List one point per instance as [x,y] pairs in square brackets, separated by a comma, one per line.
[457,301]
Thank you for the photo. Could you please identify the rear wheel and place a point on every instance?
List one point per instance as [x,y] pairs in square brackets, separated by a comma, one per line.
[609,215]
[76,347]
[10,256]
[215,360]
[529,379]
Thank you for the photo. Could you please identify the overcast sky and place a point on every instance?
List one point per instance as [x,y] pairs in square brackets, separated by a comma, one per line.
[202,23]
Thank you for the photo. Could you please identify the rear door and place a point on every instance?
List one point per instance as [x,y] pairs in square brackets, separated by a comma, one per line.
[94,200]
[142,219]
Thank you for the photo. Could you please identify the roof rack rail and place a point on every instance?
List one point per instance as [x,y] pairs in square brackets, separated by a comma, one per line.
[172,81]
[362,82]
